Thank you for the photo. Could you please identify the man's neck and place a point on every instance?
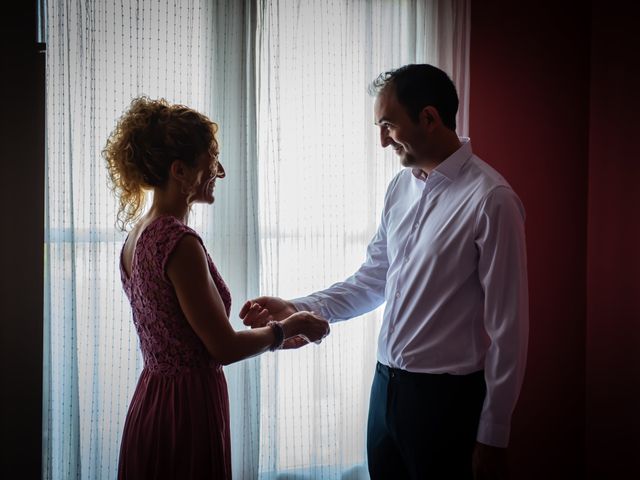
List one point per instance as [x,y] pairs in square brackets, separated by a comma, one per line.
[447,145]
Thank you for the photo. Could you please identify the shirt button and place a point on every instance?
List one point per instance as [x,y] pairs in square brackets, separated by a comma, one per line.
[397,294]
[415,225]
[406,259]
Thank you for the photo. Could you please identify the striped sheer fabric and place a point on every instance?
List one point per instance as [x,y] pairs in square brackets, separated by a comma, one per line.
[323,177]
[99,56]
[286,80]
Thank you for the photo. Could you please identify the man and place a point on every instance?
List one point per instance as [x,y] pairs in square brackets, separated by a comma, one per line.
[449,259]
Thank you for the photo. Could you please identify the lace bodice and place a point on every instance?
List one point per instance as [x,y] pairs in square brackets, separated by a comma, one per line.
[169,345]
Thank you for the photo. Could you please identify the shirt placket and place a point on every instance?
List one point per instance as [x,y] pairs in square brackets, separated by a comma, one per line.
[406,248]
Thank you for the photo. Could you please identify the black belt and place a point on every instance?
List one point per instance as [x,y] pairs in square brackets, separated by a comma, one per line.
[399,373]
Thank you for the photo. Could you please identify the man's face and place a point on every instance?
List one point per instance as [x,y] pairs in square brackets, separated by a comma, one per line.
[408,139]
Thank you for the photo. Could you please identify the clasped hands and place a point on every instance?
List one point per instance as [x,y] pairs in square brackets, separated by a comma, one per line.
[299,328]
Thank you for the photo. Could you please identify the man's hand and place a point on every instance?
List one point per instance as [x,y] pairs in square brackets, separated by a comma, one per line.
[489,463]
[306,325]
[259,311]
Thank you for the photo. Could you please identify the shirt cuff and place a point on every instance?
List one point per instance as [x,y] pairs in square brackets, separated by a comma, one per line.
[493,434]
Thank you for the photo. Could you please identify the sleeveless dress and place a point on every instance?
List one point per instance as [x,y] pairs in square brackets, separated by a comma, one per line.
[177,426]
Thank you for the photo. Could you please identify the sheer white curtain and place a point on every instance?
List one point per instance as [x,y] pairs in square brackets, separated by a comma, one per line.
[322,181]
[287,81]
[99,56]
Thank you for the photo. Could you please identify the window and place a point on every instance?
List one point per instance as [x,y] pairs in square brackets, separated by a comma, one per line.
[286,81]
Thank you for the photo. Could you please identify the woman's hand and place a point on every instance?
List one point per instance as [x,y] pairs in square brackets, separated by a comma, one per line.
[261,310]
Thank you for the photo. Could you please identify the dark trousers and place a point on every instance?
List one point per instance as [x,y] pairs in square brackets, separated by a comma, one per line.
[423,426]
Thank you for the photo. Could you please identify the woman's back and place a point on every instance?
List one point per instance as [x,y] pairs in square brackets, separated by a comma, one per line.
[168,342]
[177,425]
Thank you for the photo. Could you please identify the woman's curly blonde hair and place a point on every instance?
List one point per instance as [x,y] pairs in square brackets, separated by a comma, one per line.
[148,137]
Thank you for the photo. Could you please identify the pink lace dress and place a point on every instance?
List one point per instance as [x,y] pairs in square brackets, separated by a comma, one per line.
[177,425]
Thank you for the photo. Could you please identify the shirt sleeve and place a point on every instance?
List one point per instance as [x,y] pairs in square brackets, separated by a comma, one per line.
[502,269]
[365,289]
[360,293]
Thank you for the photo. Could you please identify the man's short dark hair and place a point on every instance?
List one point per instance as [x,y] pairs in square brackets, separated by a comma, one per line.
[419,86]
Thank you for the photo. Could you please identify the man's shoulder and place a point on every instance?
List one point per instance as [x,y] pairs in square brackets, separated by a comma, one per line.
[487,186]
[401,178]
[482,177]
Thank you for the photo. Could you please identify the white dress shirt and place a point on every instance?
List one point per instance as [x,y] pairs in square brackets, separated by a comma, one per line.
[449,259]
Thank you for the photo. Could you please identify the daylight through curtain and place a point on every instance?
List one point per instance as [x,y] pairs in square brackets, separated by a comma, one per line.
[100,55]
[323,176]
[286,80]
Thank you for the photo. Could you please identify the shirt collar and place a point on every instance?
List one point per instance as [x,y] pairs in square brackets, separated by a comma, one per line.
[450,167]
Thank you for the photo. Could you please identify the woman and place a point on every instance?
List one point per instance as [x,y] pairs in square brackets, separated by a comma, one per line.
[177,425]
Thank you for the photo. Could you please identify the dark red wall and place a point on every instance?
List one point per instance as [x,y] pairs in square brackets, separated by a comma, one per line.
[613,275]
[554,106]
[529,117]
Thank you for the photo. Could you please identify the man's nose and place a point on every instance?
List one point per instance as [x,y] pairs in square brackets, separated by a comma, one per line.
[385,140]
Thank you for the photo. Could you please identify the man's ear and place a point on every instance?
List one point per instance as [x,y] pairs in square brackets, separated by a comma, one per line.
[430,117]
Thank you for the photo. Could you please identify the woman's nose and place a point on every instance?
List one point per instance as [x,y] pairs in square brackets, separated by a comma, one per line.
[220,173]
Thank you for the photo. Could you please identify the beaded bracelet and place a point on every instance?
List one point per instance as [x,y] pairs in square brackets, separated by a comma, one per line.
[279,334]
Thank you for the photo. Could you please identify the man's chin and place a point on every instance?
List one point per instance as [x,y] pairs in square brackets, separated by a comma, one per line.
[407,160]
